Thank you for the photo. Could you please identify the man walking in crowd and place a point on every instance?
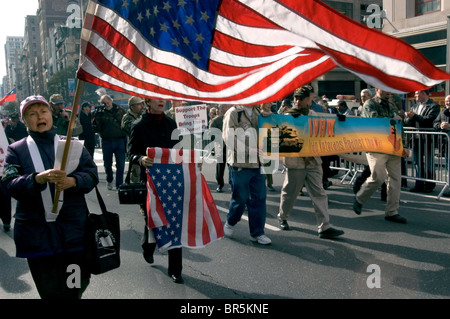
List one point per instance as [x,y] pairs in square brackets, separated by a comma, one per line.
[220,149]
[61,117]
[442,123]
[365,96]
[421,116]
[88,134]
[16,130]
[249,184]
[154,129]
[134,113]
[382,164]
[305,171]
[107,123]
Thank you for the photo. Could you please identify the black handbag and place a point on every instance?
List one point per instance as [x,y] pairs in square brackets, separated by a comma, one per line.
[132,193]
[103,249]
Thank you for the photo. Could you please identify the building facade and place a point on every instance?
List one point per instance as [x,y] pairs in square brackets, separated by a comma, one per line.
[12,45]
[424,24]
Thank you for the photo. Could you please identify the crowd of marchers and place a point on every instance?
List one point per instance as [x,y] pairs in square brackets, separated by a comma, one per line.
[124,135]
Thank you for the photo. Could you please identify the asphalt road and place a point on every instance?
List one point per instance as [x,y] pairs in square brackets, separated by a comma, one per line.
[374,259]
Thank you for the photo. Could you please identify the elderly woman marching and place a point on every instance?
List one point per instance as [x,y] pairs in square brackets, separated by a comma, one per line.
[49,244]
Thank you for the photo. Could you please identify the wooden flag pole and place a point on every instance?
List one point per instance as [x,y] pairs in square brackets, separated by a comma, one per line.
[73,116]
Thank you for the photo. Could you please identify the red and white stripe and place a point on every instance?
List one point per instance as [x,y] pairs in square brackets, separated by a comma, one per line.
[262,51]
[201,222]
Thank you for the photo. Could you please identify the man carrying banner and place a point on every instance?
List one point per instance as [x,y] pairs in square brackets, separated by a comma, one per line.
[305,171]
[383,167]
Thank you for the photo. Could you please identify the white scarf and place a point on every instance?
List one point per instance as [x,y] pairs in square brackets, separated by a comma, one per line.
[39,167]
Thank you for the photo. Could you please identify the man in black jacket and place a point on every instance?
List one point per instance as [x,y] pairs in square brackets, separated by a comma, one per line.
[154,129]
[107,123]
[422,115]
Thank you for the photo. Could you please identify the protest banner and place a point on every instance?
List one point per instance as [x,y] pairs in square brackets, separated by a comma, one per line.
[305,136]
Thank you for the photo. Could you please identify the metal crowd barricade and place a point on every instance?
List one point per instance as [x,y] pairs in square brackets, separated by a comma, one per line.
[432,145]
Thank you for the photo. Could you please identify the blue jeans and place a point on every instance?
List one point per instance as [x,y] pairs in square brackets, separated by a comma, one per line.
[249,188]
[116,148]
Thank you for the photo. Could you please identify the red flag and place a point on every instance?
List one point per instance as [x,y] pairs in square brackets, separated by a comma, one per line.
[238,51]
[11,96]
[180,208]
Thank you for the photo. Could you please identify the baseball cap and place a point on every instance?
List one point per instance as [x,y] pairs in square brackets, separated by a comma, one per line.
[56,99]
[34,99]
[135,100]
[304,91]
[86,104]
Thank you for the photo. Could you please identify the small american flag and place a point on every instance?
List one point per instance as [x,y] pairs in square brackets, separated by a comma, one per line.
[238,51]
[180,207]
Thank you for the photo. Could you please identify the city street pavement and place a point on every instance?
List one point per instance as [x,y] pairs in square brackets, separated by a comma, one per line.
[374,259]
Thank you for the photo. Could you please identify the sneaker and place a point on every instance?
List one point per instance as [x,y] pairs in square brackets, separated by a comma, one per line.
[261,239]
[228,229]
[357,207]
[331,233]
[110,186]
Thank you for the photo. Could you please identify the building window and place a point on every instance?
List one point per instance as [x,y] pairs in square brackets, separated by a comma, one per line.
[342,7]
[427,6]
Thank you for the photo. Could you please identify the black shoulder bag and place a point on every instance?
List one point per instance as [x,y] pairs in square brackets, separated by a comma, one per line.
[103,248]
[132,193]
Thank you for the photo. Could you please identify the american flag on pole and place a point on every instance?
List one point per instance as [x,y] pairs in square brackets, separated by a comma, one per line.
[180,208]
[238,51]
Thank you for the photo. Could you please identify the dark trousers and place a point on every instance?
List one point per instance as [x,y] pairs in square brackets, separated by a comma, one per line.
[54,280]
[220,172]
[5,207]
[118,149]
[175,254]
[423,156]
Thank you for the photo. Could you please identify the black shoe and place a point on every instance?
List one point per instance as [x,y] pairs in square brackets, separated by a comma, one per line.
[327,184]
[148,256]
[283,224]
[396,219]
[357,207]
[148,250]
[331,233]
[416,190]
[177,278]
[219,189]
[271,189]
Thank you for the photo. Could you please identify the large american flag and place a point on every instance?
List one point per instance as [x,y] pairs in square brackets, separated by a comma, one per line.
[180,208]
[238,51]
